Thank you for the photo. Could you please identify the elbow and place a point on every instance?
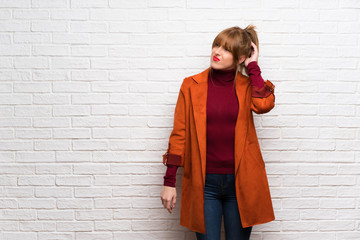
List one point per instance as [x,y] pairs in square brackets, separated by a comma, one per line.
[263,105]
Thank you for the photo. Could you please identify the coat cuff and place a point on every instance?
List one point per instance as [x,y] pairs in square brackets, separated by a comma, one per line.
[171,159]
[264,91]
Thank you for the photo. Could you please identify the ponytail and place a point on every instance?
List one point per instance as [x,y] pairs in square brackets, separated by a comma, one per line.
[252,35]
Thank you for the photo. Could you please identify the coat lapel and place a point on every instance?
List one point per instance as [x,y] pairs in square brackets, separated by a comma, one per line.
[199,100]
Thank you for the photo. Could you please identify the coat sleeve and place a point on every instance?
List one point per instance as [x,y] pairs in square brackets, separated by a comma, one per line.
[176,148]
[263,99]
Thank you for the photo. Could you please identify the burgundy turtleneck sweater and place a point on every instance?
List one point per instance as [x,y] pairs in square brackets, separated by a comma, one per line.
[221,115]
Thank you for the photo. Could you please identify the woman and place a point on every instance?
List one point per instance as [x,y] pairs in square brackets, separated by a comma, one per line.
[214,140]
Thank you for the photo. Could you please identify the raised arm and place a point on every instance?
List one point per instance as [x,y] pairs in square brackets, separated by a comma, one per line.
[262,93]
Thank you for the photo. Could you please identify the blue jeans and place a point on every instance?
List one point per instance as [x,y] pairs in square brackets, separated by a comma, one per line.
[220,199]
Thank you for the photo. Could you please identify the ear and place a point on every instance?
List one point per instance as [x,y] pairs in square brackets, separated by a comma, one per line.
[242,59]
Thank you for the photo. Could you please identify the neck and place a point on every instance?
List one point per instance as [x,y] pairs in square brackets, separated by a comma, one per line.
[222,77]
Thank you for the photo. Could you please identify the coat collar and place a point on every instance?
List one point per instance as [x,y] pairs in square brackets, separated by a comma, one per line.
[199,99]
[202,77]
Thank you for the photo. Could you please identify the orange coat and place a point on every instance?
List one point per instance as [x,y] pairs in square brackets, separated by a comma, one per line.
[187,149]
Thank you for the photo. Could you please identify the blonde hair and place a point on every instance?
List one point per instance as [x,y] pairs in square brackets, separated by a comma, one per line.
[238,41]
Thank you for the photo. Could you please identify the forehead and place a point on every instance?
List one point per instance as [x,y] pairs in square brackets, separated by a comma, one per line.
[224,41]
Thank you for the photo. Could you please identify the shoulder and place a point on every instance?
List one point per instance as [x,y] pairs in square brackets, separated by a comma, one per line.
[195,79]
[187,83]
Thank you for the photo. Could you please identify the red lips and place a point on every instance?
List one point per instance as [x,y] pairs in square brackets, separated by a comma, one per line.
[216,59]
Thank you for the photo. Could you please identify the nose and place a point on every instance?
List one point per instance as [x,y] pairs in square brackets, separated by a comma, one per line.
[218,50]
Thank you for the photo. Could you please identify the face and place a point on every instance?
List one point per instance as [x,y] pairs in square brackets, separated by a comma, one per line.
[222,59]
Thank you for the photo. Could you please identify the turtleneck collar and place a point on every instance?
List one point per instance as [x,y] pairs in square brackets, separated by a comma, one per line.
[222,77]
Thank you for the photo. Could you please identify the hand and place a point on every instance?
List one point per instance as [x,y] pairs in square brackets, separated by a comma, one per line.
[253,56]
[168,197]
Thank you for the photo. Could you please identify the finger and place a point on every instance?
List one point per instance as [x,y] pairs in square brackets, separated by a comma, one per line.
[165,203]
[255,47]
[168,204]
[170,209]
[253,44]
[174,201]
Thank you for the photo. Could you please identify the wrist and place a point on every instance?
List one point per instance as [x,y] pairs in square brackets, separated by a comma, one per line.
[169,184]
[252,63]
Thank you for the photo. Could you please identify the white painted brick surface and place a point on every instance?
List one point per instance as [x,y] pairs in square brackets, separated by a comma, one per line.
[87,96]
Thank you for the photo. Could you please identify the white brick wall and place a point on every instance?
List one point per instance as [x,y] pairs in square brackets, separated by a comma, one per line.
[87,96]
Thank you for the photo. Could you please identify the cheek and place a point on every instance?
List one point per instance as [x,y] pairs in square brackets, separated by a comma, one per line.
[229,57]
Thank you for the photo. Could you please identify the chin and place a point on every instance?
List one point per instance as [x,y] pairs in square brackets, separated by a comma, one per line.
[215,66]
